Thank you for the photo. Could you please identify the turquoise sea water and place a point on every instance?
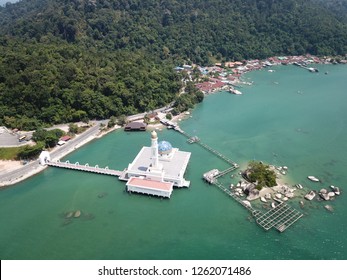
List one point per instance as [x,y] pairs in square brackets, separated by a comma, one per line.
[289,117]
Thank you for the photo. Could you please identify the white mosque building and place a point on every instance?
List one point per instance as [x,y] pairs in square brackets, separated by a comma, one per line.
[156,169]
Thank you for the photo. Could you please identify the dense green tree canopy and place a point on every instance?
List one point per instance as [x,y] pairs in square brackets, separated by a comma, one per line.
[194,29]
[70,60]
[56,83]
[261,174]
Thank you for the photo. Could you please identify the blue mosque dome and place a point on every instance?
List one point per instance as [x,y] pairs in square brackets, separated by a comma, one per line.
[164,147]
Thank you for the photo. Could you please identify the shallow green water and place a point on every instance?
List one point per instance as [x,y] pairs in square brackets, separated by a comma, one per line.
[289,117]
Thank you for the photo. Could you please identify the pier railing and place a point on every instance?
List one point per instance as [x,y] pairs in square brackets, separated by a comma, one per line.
[85,168]
[213,151]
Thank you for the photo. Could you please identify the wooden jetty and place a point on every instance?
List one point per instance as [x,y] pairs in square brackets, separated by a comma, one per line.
[85,168]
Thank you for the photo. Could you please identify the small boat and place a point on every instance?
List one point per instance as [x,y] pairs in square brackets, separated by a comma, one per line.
[263,199]
[313,178]
[301,203]
[273,205]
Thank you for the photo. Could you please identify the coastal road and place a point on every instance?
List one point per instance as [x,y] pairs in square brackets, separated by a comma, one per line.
[142,115]
[35,167]
[76,142]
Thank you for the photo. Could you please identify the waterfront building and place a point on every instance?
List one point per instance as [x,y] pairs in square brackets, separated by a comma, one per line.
[135,126]
[156,169]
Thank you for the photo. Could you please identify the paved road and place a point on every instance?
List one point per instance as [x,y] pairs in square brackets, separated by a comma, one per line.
[142,115]
[35,166]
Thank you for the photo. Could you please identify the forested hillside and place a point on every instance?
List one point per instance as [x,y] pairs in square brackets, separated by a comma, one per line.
[337,7]
[194,29]
[55,83]
[65,60]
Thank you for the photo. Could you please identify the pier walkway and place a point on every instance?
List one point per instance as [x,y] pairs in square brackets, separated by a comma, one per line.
[85,168]
[213,151]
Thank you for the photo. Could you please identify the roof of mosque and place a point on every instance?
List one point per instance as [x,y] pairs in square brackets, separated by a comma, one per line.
[164,147]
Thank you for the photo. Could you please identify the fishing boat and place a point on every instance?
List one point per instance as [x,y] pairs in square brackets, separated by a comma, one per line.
[313,178]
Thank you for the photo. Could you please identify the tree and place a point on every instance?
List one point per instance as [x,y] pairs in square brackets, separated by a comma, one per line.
[261,174]
[112,122]
[73,128]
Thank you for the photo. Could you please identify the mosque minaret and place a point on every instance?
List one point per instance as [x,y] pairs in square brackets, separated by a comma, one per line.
[154,151]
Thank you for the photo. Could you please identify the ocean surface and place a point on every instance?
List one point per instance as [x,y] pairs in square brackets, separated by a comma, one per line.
[289,117]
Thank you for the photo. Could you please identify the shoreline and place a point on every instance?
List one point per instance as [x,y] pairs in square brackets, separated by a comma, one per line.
[34,166]
[99,134]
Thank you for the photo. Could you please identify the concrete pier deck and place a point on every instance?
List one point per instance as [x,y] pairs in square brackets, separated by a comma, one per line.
[85,168]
